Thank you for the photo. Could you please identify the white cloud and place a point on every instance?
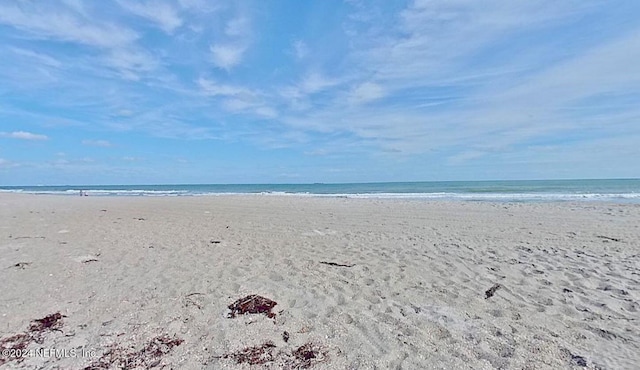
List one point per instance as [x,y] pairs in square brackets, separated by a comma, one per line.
[229,53]
[366,92]
[200,6]
[59,25]
[236,105]
[483,90]
[315,82]
[465,156]
[124,113]
[227,56]
[212,88]
[160,13]
[132,159]
[5,163]
[130,62]
[249,105]
[266,112]
[73,24]
[300,49]
[98,143]
[237,27]
[40,57]
[23,135]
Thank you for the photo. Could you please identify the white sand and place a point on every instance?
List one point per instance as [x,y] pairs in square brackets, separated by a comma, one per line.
[125,270]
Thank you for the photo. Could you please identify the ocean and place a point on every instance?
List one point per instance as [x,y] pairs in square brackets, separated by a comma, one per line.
[615,190]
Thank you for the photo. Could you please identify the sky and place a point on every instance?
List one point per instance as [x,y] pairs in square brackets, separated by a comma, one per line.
[288,91]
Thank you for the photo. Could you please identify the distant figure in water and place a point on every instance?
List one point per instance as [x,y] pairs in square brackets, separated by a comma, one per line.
[83,194]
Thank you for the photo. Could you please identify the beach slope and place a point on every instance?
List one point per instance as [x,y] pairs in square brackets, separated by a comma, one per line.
[357,283]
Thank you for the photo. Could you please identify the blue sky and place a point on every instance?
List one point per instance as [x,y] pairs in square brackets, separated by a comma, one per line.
[196,91]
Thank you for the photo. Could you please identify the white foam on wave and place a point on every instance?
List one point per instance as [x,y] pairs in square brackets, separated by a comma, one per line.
[101,192]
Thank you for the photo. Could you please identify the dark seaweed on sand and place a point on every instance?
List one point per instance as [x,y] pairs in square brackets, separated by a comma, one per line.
[257,355]
[37,329]
[124,358]
[48,323]
[306,356]
[489,293]
[303,357]
[252,304]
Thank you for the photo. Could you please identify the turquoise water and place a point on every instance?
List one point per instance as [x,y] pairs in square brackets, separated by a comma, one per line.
[618,190]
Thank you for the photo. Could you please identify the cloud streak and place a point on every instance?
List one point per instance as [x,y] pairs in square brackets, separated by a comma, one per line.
[161,14]
[97,143]
[23,135]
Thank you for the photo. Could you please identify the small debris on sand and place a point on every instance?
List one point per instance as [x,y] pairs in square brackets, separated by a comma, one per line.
[336,264]
[21,265]
[489,293]
[252,304]
[607,238]
[194,299]
[574,359]
[285,336]
[579,360]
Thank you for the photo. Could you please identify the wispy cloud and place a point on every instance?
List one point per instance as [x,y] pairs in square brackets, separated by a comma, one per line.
[73,23]
[131,62]
[228,53]
[47,23]
[237,27]
[300,49]
[23,135]
[315,82]
[162,14]
[97,143]
[366,92]
[5,163]
[227,56]
[40,57]
[212,88]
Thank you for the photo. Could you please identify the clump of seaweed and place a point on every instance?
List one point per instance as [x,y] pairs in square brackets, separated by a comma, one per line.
[14,344]
[52,322]
[253,304]
[37,329]
[306,356]
[256,355]
[303,357]
[489,293]
[149,356]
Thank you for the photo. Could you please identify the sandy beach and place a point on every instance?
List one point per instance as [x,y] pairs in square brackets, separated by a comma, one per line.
[359,283]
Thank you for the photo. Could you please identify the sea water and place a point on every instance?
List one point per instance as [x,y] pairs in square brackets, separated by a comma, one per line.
[615,190]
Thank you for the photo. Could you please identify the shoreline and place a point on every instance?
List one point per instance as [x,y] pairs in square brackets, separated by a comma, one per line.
[352,197]
[404,283]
